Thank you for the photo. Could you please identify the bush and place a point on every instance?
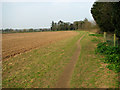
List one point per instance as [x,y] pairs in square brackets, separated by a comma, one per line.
[112,55]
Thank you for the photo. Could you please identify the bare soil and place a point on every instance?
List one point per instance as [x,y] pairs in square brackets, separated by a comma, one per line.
[16,43]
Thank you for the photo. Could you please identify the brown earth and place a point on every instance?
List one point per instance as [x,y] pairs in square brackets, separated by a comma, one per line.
[64,80]
[16,43]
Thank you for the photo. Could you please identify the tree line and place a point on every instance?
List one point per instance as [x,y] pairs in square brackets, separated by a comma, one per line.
[24,30]
[81,25]
[107,16]
[60,25]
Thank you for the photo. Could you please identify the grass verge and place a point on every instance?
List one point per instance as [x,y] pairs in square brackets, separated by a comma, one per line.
[89,71]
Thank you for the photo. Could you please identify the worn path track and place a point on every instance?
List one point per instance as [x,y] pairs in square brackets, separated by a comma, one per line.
[66,76]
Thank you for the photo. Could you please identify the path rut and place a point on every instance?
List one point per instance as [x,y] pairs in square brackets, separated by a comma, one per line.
[64,79]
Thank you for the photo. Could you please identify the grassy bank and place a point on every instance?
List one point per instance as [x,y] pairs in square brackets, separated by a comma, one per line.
[40,67]
[89,71]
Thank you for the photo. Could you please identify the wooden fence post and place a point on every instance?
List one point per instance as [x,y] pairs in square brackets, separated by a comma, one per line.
[104,36]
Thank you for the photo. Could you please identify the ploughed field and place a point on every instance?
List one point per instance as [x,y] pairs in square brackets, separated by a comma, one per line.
[16,43]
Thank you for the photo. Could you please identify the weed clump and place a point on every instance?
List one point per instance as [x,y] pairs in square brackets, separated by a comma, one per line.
[112,55]
[97,35]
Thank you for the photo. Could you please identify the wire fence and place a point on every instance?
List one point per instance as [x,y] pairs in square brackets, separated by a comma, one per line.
[112,40]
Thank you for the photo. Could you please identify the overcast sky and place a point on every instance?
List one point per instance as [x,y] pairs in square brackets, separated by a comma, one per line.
[41,14]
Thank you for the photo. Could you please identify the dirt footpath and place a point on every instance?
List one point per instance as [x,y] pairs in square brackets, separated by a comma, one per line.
[66,76]
[16,43]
